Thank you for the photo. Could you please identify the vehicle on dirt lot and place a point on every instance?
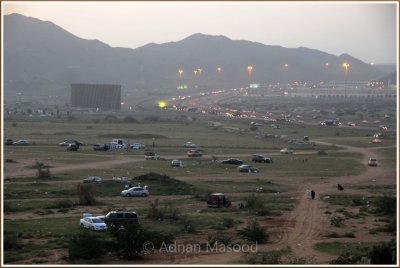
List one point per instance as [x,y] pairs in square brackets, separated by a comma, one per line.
[116,218]
[247,168]
[261,159]
[9,142]
[91,179]
[176,163]
[22,142]
[218,200]
[101,147]
[151,156]
[372,162]
[189,144]
[231,161]
[68,142]
[135,191]
[93,223]
[137,146]
[194,153]
[286,151]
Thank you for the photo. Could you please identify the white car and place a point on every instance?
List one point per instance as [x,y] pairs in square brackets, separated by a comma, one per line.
[135,191]
[372,162]
[151,156]
[189,144]
[93,223]
[286,151]
[22,142]
[137,146]
[176,163]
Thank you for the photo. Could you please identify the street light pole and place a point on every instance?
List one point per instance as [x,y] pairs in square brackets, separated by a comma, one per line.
[249,69]
[346,67]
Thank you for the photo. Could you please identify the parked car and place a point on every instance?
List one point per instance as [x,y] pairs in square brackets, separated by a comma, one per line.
[194,153]
[135,191]
[176,163]
[372,162]
[68,142]
[189,144]
[22,142]
[137,146]
[231,161]
[218,200]
[286,151]
[116,218]
[91,179]
[382,127]
[9,142]
[101,147]
[151,156]
[247,168]
[93,223]
[376,141]
[261,159]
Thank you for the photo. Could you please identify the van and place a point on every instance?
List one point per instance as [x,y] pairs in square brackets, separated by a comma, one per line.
[119,218]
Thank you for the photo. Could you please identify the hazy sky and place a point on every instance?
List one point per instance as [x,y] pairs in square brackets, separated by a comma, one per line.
[367,31]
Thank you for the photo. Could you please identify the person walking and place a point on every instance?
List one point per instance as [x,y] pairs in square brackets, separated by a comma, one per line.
[312,194]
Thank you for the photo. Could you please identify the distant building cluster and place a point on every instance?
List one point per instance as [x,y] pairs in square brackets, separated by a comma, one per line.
[100,96]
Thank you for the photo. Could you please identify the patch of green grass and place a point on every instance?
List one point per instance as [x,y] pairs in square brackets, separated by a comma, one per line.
[349,200]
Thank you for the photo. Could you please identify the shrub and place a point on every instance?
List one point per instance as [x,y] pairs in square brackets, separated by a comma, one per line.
[256,204]
[349,235]
[337,221]
[220,238]
[385,205]
[383,253]
[129,119]
[332,235]
[322,152]
[154,211]
[188,227]
[254,232]
[11,241]
[43,173]
[129,241]
[228,222]
[86,194]
[85,246]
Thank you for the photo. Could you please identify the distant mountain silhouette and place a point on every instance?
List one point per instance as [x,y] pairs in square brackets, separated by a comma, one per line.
[36,50]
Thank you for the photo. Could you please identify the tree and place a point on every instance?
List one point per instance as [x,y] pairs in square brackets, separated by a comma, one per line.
[86,194]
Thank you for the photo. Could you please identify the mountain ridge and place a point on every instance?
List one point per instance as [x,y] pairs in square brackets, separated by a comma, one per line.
[57,55]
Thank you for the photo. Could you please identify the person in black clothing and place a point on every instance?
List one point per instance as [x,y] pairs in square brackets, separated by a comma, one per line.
[340,187]
[312,194]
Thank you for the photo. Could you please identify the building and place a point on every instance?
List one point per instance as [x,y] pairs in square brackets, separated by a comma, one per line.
[100,96]
[345,84]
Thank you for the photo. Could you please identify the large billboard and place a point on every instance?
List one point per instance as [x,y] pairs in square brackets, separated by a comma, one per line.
[96,96]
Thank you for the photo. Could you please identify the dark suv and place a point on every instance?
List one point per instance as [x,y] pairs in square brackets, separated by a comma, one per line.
[261,159]
[119,218]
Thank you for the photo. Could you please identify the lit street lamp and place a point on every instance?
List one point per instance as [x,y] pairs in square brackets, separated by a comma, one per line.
[219,69]
[249,69]
[346,67]
[180,72]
